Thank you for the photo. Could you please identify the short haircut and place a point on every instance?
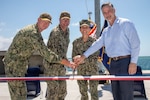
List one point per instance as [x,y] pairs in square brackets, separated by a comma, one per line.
[107,4]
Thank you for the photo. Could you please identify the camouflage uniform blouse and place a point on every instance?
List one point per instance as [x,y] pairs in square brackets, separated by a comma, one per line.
[90,63]
[25,43]
[58,41]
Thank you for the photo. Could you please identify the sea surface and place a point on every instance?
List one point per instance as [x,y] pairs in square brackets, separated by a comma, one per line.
[143,62]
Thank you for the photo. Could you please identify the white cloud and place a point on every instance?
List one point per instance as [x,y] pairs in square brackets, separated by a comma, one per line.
[2,24]
[45,41]
[5,43]
[75,24]
[69,52]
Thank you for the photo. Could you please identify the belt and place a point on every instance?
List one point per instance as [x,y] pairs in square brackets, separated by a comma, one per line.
[120,57]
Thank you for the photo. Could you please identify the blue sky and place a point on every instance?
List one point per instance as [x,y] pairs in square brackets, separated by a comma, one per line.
[15,14]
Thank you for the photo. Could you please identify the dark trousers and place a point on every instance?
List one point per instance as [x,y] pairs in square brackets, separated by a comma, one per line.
[121,90]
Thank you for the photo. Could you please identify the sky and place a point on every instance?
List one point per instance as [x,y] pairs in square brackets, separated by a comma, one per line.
[16,14]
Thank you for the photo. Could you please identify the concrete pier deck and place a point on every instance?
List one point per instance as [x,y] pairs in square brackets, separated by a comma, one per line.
[104,91]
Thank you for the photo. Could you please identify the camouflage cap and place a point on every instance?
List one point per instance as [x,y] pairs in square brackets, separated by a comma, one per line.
[65,15]
[46,16]
[84,22]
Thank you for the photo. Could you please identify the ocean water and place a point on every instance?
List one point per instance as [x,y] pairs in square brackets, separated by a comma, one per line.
[143,62]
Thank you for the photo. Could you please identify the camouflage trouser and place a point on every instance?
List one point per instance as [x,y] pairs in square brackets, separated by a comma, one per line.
[88,69]
[17,89]
[56,89]
[83,86]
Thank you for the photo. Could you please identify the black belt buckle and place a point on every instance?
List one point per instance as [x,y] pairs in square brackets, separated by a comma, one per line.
[116,58]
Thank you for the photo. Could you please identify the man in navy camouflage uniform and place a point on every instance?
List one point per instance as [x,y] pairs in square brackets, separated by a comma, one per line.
[89,67]
[58,42]
[27,41]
